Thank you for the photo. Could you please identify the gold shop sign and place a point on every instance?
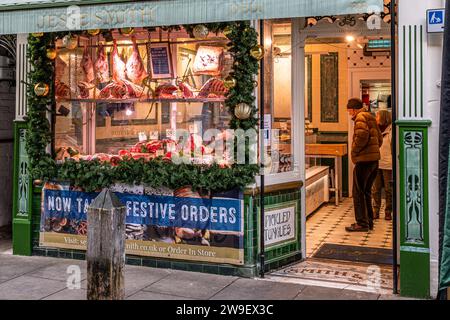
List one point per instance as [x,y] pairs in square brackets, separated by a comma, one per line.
[107,18]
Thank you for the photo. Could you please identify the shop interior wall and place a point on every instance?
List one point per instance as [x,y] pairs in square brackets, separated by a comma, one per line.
[316,50]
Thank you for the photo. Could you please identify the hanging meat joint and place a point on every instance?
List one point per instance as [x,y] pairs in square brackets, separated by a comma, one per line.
[101,65]
[135,66]
[87,65]
[118,65]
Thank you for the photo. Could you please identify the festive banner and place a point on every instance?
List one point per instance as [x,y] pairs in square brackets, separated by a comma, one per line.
[179,224]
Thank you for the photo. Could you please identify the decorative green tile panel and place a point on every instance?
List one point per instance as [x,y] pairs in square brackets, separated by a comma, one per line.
[414,215]
[413,142]
[22,194]
[23,177]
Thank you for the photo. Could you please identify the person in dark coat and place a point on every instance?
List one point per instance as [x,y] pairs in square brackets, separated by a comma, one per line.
[365,154]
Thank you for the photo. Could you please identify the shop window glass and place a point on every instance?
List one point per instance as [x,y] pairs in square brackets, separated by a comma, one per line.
[188,95]
[278,104]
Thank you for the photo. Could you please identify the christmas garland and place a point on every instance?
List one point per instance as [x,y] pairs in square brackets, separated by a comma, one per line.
[94,175]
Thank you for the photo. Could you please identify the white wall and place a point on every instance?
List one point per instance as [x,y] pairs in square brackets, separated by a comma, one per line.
[413,12]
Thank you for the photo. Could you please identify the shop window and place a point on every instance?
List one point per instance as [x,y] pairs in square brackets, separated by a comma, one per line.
[116,106]
[278,104]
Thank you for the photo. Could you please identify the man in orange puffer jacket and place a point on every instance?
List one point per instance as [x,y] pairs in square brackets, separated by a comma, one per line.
[365,153]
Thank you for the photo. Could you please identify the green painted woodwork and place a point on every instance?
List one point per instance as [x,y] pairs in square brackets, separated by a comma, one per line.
[404,69]
[414,216]
[421,71]
[413,123]
[410,69]
[22,189]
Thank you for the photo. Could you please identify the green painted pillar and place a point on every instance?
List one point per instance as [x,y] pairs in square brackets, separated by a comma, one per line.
[22,193]
[414,215]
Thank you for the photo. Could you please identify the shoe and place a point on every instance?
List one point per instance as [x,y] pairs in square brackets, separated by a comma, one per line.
[388,216]
[371,227]
[356,228]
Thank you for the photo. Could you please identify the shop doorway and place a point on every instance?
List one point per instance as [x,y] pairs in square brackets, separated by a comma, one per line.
[337,67]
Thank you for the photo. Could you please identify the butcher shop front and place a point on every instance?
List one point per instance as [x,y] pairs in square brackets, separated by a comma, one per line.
[174,106]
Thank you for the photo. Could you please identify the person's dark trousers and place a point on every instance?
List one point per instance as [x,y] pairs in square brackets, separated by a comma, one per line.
[364,175]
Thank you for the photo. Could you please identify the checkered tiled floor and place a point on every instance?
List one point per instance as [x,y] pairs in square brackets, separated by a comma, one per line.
[327,225]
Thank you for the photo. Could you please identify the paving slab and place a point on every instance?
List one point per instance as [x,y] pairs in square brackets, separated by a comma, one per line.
[15,266]
[322,293]
[68,294]
[259,290]
[60,270]
[29,288]
[191,284]
[138,278]
[147,295]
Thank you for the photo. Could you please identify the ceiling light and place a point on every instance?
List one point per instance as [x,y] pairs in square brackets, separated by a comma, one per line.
[350,38]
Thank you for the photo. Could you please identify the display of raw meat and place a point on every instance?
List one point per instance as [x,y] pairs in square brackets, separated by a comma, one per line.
[61,90]
[105,93]
[124,153]
[87,65]
[135,66]
[60,68]
[114,160]
[121,90]
[213,88]
[153,146]
[186,89]
[85,90]
[100,156]
[101,65]
[165,91]
[118,65]
[133,90]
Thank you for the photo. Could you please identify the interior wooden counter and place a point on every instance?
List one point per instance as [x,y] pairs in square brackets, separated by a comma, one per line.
[326,149]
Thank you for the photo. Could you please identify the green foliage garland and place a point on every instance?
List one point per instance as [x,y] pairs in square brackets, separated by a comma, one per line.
[94,175]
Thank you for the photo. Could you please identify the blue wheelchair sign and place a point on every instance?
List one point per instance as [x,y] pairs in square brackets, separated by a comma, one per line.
[435,20]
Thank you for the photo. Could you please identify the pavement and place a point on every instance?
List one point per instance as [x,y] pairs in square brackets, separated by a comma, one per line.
[45,278]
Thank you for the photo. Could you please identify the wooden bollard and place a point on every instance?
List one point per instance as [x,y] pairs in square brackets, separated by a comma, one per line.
[106,248]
